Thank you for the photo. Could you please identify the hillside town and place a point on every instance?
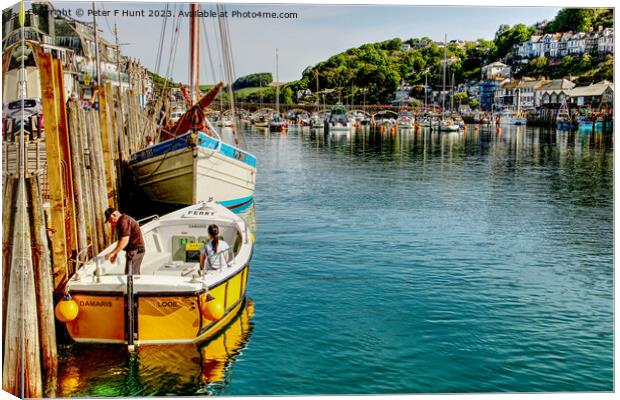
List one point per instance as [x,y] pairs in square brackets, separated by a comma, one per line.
[498,89]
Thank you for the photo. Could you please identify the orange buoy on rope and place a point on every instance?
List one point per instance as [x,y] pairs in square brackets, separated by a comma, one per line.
[67,309]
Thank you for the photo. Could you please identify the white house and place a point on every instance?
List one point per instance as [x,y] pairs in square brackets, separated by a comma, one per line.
[563,43]
[526,92]
[593,95]
[606,41]
[550,46]
[536,46]
[552,92]
[495,70]
[577,43]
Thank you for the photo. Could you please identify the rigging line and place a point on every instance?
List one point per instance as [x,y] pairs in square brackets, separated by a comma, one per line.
[175,47]
[228,62]
[190,58]
[210,54]
[216,36]
[232,57]
[173,41]
[106,19]
[162,35]
[170,70]
[156,109]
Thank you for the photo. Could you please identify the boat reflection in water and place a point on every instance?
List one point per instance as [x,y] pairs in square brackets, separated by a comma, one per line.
[109,371]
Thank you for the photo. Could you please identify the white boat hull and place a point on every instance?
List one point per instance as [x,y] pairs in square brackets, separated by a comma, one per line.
[191,175]
[340,129]
[512,121]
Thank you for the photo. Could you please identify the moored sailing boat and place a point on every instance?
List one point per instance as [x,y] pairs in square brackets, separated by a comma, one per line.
[277,123]
[192,163]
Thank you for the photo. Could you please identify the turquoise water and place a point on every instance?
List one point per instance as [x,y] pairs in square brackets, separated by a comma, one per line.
[410,263]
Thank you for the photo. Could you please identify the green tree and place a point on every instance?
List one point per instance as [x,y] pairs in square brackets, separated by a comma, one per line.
[539,66]
[253,80]
[571,19]
[461,97]
[286,95]
[507,38]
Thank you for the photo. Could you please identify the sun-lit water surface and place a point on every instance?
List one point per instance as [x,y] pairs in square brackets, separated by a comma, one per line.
[406,263]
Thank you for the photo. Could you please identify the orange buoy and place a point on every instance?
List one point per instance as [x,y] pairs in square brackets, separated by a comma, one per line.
[212,309]
[67,309]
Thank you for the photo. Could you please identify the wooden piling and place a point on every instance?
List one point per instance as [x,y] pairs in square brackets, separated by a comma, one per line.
[78,133]
[8,216]
[110,94]
[77,166]
[63,140]
[44,283]
[54,170]
[21,369]
[105,122]
[98,197]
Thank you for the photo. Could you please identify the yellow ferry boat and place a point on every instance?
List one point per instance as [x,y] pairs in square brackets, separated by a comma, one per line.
[172,300]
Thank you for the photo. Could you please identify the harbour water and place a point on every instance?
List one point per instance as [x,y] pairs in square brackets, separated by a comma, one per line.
[405,263]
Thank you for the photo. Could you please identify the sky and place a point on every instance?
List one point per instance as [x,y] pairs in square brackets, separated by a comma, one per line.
[318,32]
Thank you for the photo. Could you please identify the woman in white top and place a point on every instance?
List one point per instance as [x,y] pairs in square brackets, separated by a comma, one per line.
[214,252]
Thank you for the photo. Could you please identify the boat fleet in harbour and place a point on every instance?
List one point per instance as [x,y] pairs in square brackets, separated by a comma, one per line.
[339,120]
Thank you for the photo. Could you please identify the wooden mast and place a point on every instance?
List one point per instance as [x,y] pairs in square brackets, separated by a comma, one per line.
[194,52]
[445,67]
[277,87]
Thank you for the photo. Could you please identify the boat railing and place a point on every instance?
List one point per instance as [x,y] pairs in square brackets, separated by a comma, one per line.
[149,218]
[79,262]
[227,260]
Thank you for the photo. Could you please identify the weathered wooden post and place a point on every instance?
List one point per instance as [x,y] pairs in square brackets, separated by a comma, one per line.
[54,170]
[77,167]
[107,145]
[44,282]
[63,140]
[8,216]
[21,369]
[114,138]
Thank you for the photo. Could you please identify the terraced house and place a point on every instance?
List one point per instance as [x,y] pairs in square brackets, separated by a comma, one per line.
[555,45]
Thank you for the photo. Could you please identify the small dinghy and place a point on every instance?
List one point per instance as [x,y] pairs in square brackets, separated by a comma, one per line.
[172,300]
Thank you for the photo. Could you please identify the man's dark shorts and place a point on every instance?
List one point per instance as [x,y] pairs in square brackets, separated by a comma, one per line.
[134,260]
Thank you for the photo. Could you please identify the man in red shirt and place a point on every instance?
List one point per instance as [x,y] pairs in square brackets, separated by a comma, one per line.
[129,239]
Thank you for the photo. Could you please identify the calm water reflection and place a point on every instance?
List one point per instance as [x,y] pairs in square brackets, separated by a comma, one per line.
[408,262]
[108,371]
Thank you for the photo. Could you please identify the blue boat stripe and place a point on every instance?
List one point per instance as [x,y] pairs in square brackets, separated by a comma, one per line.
[235,202]
[226,149]
[183,141]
